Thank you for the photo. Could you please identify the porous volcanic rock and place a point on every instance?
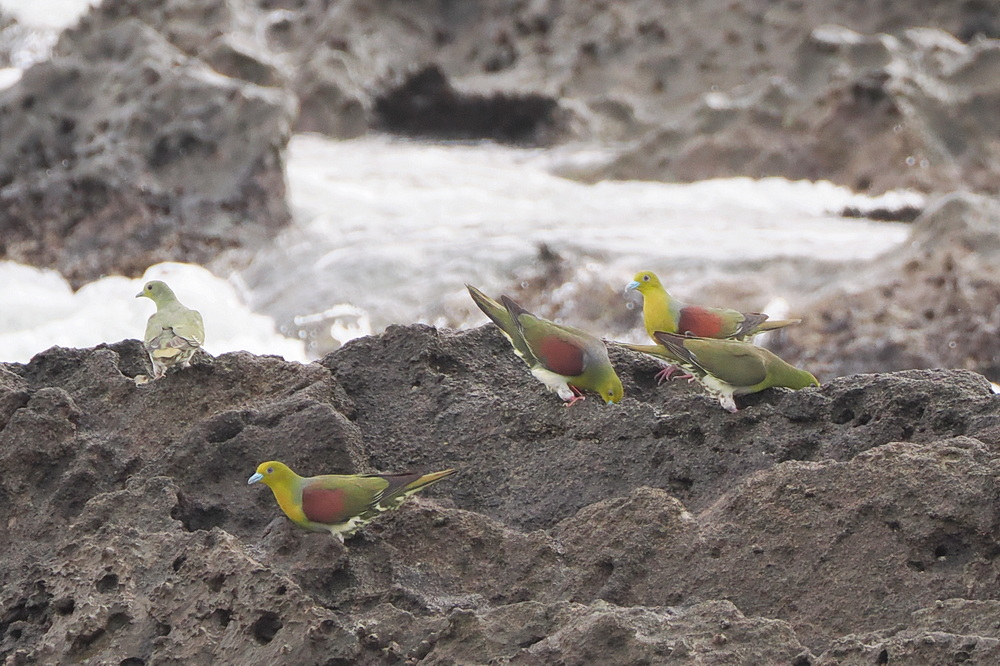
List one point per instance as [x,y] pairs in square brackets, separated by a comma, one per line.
[121,152]
[930,304]
[873,112]
[829,525]
[358,66]
[863,94]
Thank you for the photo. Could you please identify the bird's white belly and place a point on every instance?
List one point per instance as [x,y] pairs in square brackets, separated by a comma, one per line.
[722,390]
[554,382]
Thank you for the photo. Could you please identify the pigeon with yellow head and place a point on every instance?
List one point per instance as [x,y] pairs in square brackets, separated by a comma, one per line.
[662,312]
[339,503]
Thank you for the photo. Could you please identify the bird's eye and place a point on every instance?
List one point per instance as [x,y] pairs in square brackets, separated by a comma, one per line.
[270,470]
[645,278]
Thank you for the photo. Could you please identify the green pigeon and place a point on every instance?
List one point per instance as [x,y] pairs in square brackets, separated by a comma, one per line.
[661,312]
[728,368]
[173,332]
[339,504]
[563,358]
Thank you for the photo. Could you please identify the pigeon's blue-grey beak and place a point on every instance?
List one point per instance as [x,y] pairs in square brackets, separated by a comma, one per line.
[631,285]
[255,478]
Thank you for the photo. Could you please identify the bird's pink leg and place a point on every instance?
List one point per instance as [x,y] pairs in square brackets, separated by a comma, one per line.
[668,372]
[577,396]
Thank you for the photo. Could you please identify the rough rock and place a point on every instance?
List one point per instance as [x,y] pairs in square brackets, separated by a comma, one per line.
[864,95]
[566,633]
[121,152]
[355,67]
[657,444]
[828,525]
[930,304]
[873,112]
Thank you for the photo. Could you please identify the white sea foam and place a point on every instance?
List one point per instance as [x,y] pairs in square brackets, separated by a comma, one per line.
[388,231]
[40,310]
[47,14]
[395,228]
[9,76]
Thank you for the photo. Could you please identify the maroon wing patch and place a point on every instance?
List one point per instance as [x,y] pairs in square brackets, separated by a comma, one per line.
[561,356]
[700,322]
[322,505]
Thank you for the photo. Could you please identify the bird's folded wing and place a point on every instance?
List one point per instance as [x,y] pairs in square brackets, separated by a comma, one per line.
[325,505]
[190,327]
[703,322]
[558,350]
[739,364]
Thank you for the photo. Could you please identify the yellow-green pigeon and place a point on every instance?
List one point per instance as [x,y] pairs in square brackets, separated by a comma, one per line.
[728,368]
[339,504]
[565,359]
[661,312]
[173,332]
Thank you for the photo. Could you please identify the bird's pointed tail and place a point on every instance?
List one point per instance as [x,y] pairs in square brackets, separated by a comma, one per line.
[492,309]
[771,325]
[675,345]
[504,320]
[427,479]
[401,486]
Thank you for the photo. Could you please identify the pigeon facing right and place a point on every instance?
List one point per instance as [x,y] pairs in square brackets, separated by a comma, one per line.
[563,358]
[728,368]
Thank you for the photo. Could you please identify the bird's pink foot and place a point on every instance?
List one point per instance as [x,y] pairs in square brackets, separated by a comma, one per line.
[668,373]
[577,397]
